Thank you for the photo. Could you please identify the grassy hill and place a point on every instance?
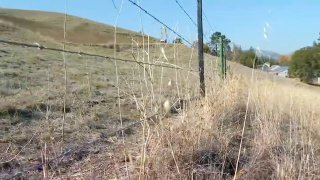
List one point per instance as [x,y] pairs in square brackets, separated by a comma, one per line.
[50,25]
[32,83]
[166,130]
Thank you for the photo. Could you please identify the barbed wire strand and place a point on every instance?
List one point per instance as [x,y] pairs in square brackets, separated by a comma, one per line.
[207,19]
[181,7]
[161,22]
[171,66]
[188,15]
[115,6]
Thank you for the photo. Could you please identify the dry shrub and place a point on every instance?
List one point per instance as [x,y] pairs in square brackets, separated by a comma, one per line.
[112,46]
[279,140]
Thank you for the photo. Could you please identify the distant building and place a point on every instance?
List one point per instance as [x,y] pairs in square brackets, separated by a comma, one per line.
[284,73]
[281,71]
[163,40]
[316,81]
[164,35]
[265,67]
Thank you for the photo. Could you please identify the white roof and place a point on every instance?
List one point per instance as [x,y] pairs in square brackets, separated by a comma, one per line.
[277,68]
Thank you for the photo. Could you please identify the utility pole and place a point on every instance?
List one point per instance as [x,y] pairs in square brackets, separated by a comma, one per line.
[200,50]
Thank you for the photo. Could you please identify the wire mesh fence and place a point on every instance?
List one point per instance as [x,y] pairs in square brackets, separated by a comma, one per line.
[75,99]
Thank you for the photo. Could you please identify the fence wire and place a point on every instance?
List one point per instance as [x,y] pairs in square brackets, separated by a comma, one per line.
[41,47]
[104,136]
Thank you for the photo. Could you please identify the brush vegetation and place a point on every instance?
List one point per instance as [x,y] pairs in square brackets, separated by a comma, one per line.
[305,63]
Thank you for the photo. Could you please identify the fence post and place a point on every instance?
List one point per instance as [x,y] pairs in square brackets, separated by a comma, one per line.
[223,71]
[200,49]
[225,61]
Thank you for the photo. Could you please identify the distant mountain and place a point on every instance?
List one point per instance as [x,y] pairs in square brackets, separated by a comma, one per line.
[271,54]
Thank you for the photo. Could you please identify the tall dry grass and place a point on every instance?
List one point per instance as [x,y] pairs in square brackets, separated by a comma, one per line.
[273,126]
[279,141]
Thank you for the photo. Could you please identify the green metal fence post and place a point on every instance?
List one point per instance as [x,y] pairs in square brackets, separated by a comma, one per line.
[222,59]
[225,63]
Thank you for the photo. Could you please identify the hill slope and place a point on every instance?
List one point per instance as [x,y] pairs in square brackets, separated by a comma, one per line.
[50,25]
[102,96]
[32,83]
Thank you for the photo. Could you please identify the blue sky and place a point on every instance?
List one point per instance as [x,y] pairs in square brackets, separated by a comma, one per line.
[289,24]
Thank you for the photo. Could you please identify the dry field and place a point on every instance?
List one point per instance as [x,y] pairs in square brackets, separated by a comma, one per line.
[128,121]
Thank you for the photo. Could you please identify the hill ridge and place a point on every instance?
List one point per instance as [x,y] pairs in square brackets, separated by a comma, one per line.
[79,30]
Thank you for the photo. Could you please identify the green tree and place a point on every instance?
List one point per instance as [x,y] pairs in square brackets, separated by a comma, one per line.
[214,43]
[305,64]
[264,59]
[206,49]
[177,41]
[250,59]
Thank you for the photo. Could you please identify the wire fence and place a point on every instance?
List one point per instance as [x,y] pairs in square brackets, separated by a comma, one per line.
[41,47]
[164,24]
[150,83]
[187,14]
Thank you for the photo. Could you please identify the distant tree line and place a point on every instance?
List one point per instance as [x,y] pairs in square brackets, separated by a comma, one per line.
[251,58]
[305,63]
[245,57]
[177,41]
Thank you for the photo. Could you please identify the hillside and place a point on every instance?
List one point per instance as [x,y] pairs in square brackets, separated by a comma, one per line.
[33,84]
[50,26]
[73,116]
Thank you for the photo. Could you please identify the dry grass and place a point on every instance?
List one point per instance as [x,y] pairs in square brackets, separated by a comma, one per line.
[48,25]
[33,86]
[280,139]
[274,120]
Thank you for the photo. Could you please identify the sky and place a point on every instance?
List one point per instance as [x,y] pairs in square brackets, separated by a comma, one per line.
[281,26]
